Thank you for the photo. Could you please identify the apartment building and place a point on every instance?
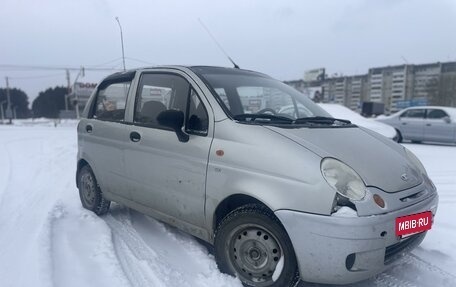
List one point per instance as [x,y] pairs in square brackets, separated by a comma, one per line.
[397,87]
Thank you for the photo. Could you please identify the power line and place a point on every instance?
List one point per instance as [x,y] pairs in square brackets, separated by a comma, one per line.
[104,64]
[140,61]
[6,67]
[36,77]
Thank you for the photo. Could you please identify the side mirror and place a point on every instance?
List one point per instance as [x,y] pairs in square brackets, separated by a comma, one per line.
[175,120]
[447,119]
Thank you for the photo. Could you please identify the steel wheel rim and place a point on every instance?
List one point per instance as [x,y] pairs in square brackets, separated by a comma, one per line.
[88,189]
[254,253]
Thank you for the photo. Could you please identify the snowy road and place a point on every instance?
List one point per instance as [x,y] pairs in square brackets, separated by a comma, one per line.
[47,239]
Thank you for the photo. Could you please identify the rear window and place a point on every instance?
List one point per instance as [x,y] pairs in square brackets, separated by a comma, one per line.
[436,114]
[111,101]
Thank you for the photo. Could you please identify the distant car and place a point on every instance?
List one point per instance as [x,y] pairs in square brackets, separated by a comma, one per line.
[341,112]
[430,123]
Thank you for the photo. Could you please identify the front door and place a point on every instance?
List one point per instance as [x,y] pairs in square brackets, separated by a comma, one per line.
[412,124]
[166,174]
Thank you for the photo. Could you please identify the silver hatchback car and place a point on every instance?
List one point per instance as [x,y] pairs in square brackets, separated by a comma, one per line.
[281,196]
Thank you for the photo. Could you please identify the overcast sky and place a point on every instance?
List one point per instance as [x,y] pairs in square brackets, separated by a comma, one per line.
[281,38]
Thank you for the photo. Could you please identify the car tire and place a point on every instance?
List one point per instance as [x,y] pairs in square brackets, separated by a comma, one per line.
[251,243]
[398,136]
[90,192]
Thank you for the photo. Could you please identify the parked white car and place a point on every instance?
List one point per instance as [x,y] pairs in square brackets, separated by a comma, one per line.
[430,123]
[341,112]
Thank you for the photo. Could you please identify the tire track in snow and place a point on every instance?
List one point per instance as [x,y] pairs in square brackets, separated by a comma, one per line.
[133,252]
[411,270]
[388,280]
[427,266]
[5,173]
[154,254]
[8,165]
[25,216]
[81,238]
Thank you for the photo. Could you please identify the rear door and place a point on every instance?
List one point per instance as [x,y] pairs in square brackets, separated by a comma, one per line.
[165,174]
[412,124]
[438,126]
[103,134]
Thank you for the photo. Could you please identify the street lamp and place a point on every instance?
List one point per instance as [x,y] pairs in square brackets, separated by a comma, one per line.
[121,41]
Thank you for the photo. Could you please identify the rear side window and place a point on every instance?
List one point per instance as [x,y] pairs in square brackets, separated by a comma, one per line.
[436,114]
[415,113]
[111,101]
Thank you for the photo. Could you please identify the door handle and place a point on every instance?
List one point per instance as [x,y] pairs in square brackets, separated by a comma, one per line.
[89,129]
[428,125]
[404,124]
[135,137]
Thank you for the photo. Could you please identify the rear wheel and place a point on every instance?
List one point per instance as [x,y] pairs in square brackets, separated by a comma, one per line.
[90,193]
[252,244]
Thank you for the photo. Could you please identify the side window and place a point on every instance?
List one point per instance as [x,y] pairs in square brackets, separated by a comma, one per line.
[110,103]
[436,114]
[415,113]
[161,92]
[198,121]
[157,93]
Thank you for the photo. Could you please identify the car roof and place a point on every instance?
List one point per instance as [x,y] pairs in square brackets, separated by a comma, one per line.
[200,70]
[225,70]
[449,110]
[430,107]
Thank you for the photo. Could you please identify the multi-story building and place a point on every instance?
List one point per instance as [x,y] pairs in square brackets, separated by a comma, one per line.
[389,85]
[356,92]
[396,87]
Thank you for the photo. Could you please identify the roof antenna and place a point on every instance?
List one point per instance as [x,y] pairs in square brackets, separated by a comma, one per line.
[217,43]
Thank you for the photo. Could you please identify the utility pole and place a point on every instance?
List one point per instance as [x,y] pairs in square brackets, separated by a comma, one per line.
[121,40]
[1,110]
[68,89]
[76,96]
[9,114]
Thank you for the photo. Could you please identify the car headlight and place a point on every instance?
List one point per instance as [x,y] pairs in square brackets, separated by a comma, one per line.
[415,161]
[343,179]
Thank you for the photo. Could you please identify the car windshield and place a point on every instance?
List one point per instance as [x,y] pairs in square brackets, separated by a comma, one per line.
[249,96]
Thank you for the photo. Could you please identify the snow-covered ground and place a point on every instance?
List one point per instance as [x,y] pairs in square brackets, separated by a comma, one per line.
[48,239]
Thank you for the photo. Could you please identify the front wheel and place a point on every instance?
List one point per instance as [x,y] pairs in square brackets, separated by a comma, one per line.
[252,244]
[398,138]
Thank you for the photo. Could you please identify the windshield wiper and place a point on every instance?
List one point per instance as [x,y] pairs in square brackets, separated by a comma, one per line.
[320,120]
[262,117]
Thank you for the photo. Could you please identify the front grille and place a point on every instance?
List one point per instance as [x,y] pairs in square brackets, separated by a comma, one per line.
[402,247]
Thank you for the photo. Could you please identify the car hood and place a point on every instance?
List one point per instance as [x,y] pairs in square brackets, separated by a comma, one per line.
[378,127]
[379,161]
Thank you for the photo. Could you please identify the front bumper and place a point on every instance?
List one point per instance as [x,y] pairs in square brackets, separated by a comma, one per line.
[343,250]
